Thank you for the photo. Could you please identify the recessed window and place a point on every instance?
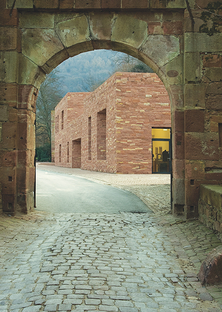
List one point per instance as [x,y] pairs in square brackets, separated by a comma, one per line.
[89,138]
[60,152]
[101,135]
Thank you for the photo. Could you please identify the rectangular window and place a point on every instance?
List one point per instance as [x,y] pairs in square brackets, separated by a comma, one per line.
[101,135]
[220,134]
[62,124]
[89,137]
[67,152]
[60,152]
[57,124]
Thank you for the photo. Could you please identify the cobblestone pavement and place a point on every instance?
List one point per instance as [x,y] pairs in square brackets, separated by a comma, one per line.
[127,262]
[121,262]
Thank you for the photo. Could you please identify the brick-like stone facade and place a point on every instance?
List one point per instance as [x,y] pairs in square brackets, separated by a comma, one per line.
[110,129]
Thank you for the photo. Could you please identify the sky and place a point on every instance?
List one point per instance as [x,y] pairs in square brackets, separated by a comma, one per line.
[76,73]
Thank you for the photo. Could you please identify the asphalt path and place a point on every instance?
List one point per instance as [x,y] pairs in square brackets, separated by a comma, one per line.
[67,193]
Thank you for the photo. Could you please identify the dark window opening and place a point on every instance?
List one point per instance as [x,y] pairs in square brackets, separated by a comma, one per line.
[60,152]
[89,138]
[67,152]
[101,135]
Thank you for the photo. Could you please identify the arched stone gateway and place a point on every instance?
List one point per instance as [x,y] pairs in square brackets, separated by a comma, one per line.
[182,45]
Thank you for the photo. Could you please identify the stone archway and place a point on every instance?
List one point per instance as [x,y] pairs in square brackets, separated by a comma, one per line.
[43,36]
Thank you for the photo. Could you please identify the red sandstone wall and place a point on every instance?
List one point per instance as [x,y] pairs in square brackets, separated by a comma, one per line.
[133,103]
[102,98]
[142,102]
[72,105]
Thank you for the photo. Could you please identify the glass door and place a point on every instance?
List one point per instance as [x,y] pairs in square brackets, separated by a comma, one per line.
[161,146]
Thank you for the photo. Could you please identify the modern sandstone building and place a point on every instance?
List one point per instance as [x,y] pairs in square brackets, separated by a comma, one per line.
[117,128]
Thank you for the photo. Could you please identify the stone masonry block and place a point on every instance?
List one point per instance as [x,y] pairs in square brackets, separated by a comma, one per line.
[46,4]
[192,67]
[201,146]
[214,88]
[202,42]
[8,94]
[194,120]
[8,38]
[194,95]
[195,169]
[21,4]
[178,145]
[131,4]
[74,30]
[6,19]
[172,27]
[161,49]
[29,72]
[3,112]
[212,60]
[213,102]
[111,4]
[101,26]
[8,66]
[9,130]
[134,34]
[87,4]
[66,4]
[213,74]
[179,121]
[36,20]
[40,44]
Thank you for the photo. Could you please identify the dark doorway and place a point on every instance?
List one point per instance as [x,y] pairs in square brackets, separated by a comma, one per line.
[76,153]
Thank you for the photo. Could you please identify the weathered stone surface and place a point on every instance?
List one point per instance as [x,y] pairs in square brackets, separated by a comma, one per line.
[73,31]
[213,74]
[192,67]
[107,4]
[211,269]
[49,4]
[129,30]
[40,44]
[202,146]
[195,169]
[66,4]
[174,70]
[161,49]
[3,112]
[178,191]
[194,95]
[201,42]
[8,66]
[36,20]
[8,38]
[101,26]
[6,19]
[29,72]
[194,120]
[22,4]
[212,60]
[213,102]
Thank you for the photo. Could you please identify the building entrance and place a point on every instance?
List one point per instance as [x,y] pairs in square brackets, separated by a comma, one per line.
[161,149]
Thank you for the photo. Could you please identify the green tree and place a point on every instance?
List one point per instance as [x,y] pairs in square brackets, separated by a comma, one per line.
[50,94]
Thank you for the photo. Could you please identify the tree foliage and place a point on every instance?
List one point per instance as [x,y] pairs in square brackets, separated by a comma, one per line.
[48,97]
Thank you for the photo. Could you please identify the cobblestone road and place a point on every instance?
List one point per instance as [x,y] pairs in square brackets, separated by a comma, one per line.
[125,262]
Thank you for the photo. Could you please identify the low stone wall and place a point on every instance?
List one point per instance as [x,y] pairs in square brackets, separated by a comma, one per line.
[210,207]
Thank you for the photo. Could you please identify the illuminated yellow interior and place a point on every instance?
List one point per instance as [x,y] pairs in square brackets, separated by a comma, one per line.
[160,133]
[160,150]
